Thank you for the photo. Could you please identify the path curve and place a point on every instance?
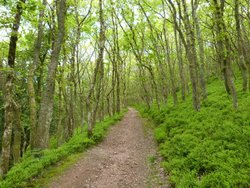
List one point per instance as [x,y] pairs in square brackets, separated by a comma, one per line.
[120,161]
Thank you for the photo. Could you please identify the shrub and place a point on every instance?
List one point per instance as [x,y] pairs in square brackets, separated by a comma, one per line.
[210,148]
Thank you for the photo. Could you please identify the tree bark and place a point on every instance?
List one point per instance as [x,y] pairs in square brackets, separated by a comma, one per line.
[168,61]
[243,67]
[32,68]
[224,50]
[201,49]
[47,102]
[9,99]
[98,75]
[18,131]
[189,44]
[192,58]
[180,64]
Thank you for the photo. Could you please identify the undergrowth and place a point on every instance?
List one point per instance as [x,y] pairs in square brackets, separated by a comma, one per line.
[210,148]
[32,165]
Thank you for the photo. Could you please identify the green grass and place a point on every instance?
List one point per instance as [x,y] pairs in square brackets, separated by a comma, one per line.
[54,171]
[210,148]
[31,166]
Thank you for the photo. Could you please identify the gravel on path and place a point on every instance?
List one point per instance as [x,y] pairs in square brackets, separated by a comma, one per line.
[120,161]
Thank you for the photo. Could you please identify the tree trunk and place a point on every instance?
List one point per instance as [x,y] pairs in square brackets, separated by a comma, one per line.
[192,58]
[59,130]
[2,83]
[224,50]
[168,61]
[180,64]
[243,67]
[201,49]
[2,76]
[32,68]
[189,44]
[9,101]
[47,102]
[18,131]
[113,85]
[98,75]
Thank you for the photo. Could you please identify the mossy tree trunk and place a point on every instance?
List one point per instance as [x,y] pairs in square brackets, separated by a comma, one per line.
[47,101]
[32,69]
[224,49]
[240,46]
[9,95]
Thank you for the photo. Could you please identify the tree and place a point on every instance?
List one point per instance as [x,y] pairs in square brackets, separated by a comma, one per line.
[224,49]
[189,44]
[33,67]
[240,47]
[97,76]
[47,101]
[11,105]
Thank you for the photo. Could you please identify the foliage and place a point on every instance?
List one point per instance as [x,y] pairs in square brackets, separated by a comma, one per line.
[209,148]
[32,164]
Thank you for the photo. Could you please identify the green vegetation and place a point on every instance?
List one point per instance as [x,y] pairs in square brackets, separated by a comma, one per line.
[209,148]
[46,175]
[66,62]
[32,165]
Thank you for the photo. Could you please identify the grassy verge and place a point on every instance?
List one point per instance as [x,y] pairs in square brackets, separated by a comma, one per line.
[54,171]
[210,148]
[32,166]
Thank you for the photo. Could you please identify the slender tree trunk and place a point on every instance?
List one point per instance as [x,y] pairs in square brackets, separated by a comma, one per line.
[98,74]
[113,85]
[2,84]
[59,130]
[32,68]
[168,61]
[192,58]
[158,58]
[189,44]
[172,75]
[118,86]
[180,64]
[243,67]
[145,94]
[118,100]
[47,102]
[2,76]
[201,49]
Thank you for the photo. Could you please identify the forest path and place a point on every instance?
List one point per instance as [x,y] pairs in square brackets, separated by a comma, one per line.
[120,161]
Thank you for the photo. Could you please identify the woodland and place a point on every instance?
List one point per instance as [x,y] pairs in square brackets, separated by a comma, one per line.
[70,68]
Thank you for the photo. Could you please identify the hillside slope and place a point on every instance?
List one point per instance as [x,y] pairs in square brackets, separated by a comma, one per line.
[210,148]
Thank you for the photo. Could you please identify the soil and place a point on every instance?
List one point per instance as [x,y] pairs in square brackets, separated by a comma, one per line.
[127,158]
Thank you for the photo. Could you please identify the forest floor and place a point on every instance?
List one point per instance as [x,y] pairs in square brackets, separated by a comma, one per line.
[126,158]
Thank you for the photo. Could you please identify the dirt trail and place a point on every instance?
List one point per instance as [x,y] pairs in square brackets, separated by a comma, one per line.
[120,161]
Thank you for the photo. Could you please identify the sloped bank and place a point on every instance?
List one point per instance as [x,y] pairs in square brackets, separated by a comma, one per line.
[210,148]
[31,166]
